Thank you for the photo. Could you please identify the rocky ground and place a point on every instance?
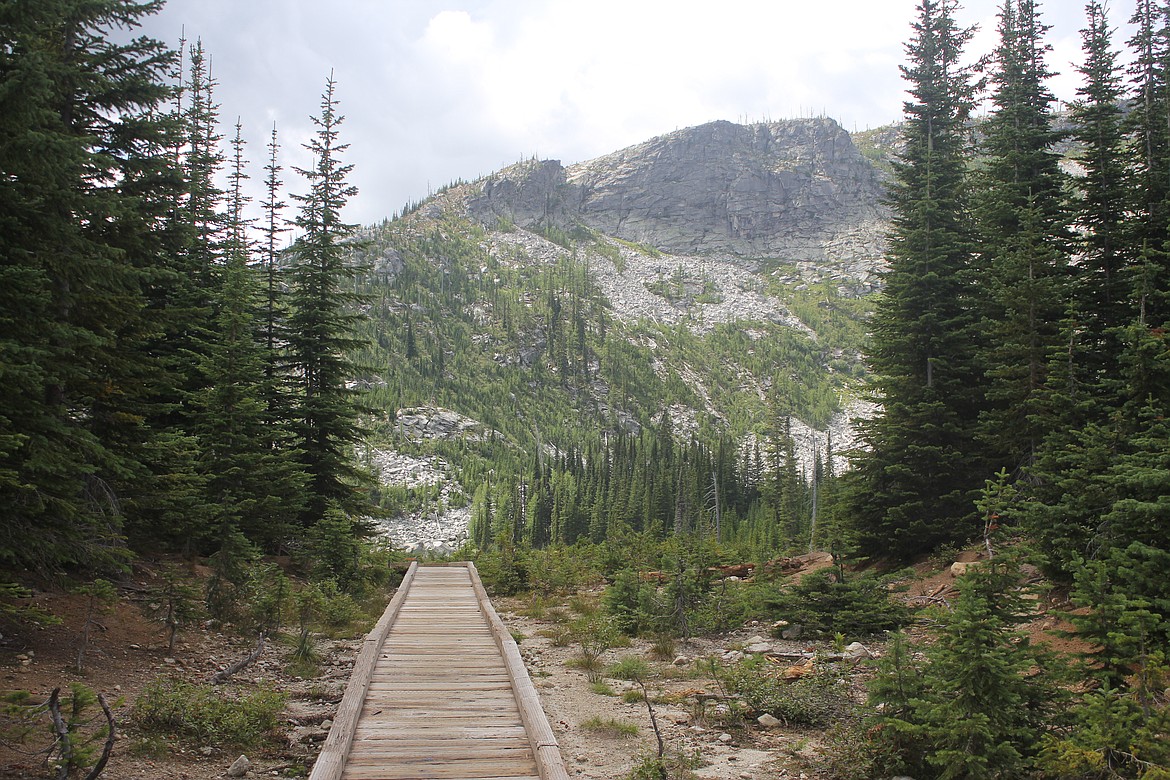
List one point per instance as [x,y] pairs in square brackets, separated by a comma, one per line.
[693,722]
[127,651]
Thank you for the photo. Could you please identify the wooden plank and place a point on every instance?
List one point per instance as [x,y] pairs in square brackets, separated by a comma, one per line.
[374,773]
[439,732]
[441,700]
[549,761]
[335,751]
[452,770]
[414,752]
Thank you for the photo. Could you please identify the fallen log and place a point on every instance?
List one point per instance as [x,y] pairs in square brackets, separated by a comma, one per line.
[224,675]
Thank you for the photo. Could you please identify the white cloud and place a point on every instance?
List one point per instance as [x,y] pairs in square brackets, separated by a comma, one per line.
[435,90]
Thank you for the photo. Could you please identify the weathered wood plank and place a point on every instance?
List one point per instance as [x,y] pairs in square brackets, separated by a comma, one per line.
[335,751]
[441,699]
[550,763]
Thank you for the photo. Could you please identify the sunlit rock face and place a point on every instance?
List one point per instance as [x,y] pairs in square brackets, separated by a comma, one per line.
[797,189]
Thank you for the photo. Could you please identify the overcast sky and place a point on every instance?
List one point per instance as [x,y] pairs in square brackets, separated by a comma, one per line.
[436,90]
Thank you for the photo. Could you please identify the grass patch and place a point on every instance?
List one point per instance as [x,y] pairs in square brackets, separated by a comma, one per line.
[590,664]
[602,688]
[559,635]
[584,605]
[663,648]
[207,714]
[610,727]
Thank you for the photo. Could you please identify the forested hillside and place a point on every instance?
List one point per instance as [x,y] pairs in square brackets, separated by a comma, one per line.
[512,330]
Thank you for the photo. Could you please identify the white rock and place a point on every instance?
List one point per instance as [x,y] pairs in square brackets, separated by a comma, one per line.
[857,651]
[240,767]
[959,568]
[769,722]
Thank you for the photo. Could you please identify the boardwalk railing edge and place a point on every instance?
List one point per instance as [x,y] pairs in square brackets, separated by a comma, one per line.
[334,753]
[547,752]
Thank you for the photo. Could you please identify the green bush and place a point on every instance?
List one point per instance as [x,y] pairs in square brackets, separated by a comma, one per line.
[814,700]
[824,606]
[672,766]
[206,714]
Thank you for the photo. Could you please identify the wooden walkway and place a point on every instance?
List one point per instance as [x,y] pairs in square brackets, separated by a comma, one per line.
[439,691]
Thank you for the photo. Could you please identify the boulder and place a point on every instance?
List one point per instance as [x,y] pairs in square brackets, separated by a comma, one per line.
[959,568]
[240,767]
[855,651]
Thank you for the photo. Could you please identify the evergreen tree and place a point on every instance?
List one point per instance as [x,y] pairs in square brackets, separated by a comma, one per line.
[1101,300]
[253,485]
[84,184]
[1024,242]
[278,384]
[1148,129]
[323,324]
[976,709]
[913,487]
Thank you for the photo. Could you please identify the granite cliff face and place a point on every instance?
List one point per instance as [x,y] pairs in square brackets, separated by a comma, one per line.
[798,190]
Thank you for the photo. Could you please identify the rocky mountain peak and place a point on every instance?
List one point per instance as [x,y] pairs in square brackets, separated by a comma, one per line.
[796,189]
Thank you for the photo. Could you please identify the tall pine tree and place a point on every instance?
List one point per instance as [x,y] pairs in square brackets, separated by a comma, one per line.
[84,184]
[323,323]
[913,487]
[1024,242]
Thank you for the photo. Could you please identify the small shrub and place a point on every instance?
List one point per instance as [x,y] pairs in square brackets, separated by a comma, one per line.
[339,611]
[609,727]
[846,752]
[334,550]
[602,688]
[663,648]
[595,634]
[560,635]
[665,767]
[227,587]
[206,714]
[824,606]
[100,595]
[68,731]
[270,597]
[814,700]
[175,602]
[632,696]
